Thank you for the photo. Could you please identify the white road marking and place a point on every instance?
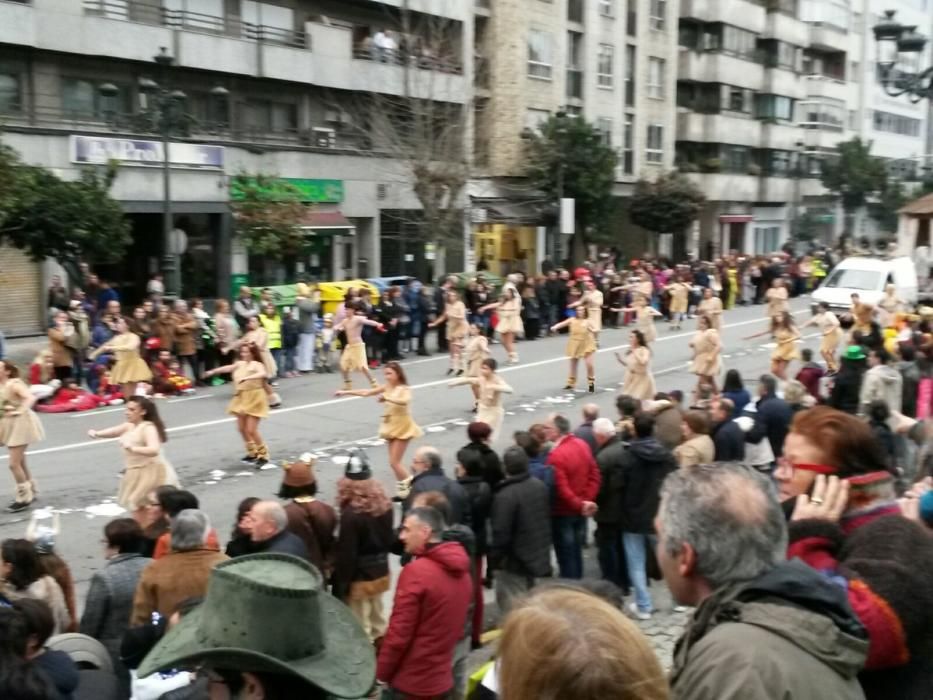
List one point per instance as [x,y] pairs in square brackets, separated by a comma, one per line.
[190,398]
[344,399]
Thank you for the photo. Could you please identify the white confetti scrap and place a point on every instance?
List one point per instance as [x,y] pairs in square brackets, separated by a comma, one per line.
[218,474]
[106,510]
[436,428]
[209,482]
[340,459]
[244,474]
[268,467]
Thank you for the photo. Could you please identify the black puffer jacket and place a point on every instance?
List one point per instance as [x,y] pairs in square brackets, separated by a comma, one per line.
[479,498]
[521,527]
[610,458]
[645,465]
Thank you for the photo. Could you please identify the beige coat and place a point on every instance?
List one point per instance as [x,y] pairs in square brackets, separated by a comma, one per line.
[697,450]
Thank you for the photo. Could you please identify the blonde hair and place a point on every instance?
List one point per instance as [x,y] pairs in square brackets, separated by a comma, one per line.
[562,644]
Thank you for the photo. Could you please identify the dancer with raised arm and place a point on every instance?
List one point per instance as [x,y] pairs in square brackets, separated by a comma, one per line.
[476,350]
[785,334]
[711,307]
[353,357]
[509,311]
[707,347]
[455,315]
[19,428]
[638,381]
[131,368]
[644,317]
[491,387]
[830,335]
[581,345]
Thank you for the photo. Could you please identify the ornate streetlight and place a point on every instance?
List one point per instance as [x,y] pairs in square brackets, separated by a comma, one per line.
[900,49]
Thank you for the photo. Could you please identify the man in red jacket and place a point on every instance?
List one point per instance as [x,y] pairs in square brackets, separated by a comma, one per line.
[576,482]
[429,613]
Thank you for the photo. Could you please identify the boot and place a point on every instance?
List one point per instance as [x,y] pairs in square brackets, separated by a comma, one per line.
[571,383]
[35,491]
[513,358]
[347,384]
[591,384]
[23,498]
[262,456]
[250,457]
[372,382]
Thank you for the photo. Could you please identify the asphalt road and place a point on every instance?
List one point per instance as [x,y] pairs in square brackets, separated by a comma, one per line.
[78,477]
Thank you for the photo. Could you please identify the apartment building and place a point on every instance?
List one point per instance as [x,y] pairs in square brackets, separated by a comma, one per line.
[611,62]
[766,90]
[279,87]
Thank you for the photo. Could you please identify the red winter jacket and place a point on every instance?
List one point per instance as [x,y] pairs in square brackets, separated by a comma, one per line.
[428,619]
[576,476]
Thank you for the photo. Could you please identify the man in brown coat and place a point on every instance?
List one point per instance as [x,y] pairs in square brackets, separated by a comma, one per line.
[314,521]
[186,328]
[183,574]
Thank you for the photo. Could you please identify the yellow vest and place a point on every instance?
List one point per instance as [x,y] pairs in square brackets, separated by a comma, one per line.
[273,328]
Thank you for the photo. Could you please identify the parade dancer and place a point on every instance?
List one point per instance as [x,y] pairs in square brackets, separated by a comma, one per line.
[638,381]
[397,427]
[889,306]
[711,307]
[141,438]
[249,404]
[580,345]
[476,350]
[830,335]
[592,299]
[644,317]
[706,345]
[353,358]
[257,336]
[777,299]
[455,315]
[490,386]
[787,337]
[509,312]
[19,428]
[130,369]
[680,300]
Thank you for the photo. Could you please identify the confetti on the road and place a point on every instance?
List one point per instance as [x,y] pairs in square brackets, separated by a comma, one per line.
[244,474]
[436,428]
[209,482]
[269,466]
[105,510]
[340,460]
[769,346]
[218,474]
[461,422]
[529,410]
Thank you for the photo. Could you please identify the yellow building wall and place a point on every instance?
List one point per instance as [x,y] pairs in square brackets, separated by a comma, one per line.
[506,248]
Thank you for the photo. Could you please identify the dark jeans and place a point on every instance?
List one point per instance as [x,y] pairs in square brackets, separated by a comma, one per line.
[568,532]
[611,554]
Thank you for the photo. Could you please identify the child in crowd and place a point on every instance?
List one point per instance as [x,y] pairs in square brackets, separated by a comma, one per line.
[291,332]
[167,378]
[325,345]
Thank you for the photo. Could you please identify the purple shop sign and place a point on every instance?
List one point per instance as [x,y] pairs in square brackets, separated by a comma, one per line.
[94,150]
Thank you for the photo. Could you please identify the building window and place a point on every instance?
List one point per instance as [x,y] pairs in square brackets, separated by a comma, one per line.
[631,19]
[9,94]
[825,114]
[654,146]
[629,75]
[604,64]
[656,73]
[628,145]
[895,124]
[735,159]
[604,126]
[81,99]
[534,118]
[540,53]
[736,99]
[271,117]
[657,18]
[575,11]
[606,8]
[767,239]
[774,107]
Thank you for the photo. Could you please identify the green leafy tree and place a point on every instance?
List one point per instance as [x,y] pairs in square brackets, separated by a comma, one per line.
[890,200]
[853,175]
[567,157]
[69,221]
[666,205]
[9,161]
[267,212]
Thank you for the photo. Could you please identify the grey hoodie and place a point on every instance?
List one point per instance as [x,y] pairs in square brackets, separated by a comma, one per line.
[881,382]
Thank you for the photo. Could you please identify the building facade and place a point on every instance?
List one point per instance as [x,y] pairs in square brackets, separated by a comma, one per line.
[281,88]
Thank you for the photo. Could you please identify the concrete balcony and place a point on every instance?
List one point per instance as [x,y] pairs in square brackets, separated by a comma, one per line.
[724,187]
[780,81]
[453,9]
[823,139]
[711,67]
[780,137]
[775,189]
[718,128]
[828,37]
[812,187]
[752,14]
[19,24]
[785,28]
[822,86]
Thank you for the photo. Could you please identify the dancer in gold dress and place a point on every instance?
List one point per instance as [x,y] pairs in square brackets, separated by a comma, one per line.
[638,381]
[509,312]
[711,306]
[644,317]
[785,334]
[250,403]
[141,439]
[706,345]
[491,388]
[476,350]
[398,428]
[131,368]
[581,344]
[19,428]
[455,315]
[353,357]
[680,301]
[830,334]
[777,299]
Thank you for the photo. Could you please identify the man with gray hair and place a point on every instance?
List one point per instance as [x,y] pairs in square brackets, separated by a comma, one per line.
[428,475]
[179,575]
[610,455]
[584,431]
[765,628]
[267,523]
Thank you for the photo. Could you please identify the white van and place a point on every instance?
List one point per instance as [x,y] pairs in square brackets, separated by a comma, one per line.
[867,277]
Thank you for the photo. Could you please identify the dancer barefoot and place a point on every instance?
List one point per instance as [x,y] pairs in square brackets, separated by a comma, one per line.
[706,345]
[397,428]
[141,438]
[490,387]
[580,345]
[787,337]
[644,317]
[830,334]
[249,403]
[680,300]
[19,428]
[638,381]
[509,310]
[130,369]
[455,314]
[353,357]
[711,307]
[476,350]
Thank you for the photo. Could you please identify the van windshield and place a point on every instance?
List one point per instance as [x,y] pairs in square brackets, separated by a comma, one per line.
[852,278]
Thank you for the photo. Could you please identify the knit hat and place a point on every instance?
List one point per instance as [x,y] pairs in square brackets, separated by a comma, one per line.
[300,473]
[854,352]
[358,466]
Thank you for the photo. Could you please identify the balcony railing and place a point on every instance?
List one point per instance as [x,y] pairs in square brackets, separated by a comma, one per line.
[398,57]
[228,25]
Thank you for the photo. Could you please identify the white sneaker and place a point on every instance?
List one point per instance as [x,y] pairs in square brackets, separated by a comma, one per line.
[633,608]
[681,608]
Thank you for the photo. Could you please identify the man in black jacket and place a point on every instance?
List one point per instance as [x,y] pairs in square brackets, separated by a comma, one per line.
[727,435]
[645,465]
[429,476]
[520,548]
[610,457]
[772,418]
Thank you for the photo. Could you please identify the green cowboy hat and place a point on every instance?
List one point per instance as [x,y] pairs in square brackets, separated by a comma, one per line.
[269,613]
[854,352]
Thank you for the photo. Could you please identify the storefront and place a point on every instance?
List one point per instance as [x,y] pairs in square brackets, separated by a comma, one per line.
[503,248]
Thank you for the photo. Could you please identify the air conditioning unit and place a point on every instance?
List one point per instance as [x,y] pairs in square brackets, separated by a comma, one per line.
[324,138]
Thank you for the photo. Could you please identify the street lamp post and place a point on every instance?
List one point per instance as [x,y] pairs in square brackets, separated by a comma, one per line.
[900,48]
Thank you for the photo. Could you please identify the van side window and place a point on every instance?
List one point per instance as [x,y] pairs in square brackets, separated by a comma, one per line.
[890,278]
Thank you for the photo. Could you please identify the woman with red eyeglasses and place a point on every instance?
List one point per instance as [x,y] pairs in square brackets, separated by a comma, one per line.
[846,522]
